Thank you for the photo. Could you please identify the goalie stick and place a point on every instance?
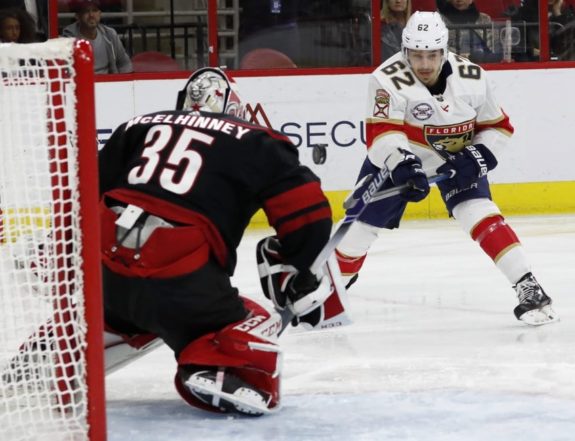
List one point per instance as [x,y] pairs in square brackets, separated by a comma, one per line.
[367,191]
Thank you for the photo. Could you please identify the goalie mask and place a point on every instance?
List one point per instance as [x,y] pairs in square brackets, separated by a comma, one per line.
[425,31]
[211,90]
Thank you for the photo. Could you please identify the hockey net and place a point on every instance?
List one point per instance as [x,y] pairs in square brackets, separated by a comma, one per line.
[51,375]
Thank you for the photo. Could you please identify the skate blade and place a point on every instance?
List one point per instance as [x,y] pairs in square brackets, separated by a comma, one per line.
[539,317]
[243,405]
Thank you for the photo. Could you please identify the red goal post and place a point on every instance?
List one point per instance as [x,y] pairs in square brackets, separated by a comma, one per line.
[51,325]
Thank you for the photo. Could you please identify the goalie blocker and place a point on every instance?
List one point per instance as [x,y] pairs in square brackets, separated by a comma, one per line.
[316,302]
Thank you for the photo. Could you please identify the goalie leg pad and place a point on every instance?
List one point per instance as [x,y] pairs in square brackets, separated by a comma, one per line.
[235,369]
[121,350]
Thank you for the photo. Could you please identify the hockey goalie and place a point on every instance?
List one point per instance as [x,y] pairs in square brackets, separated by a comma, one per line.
[178,189]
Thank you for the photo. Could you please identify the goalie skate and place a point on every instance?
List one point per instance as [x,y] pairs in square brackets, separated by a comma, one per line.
[534,305]
[228,393]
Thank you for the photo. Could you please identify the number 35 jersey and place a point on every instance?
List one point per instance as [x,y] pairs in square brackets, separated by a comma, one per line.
[403,113]
[217,170]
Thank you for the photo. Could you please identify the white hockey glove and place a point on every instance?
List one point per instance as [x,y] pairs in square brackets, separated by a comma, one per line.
[301,292]
[305,292]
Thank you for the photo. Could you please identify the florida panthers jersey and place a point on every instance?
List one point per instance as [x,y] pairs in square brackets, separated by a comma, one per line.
[403,113]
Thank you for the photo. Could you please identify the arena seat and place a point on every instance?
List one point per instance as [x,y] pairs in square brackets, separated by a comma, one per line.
[152,61]
[265,58]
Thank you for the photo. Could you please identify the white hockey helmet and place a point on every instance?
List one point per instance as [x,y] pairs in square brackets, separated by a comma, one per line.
[209,89]
[425,31]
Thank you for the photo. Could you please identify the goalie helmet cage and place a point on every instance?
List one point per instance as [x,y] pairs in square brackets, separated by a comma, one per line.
[51,330]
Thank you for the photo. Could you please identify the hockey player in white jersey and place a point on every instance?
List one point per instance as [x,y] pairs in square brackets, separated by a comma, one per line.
[431,111]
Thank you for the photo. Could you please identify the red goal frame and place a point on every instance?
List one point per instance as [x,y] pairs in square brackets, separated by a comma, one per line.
[90,226]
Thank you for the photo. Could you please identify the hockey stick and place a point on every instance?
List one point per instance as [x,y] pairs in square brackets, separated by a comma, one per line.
[366,192]
[356,205]
[378,196]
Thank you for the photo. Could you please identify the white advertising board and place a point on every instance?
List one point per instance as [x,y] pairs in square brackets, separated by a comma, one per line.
[329,109]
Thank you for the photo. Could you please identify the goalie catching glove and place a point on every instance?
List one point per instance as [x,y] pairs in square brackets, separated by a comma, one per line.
[315,303]
[300,291]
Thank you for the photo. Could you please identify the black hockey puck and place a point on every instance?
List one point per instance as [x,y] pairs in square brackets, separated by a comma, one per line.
[319,153]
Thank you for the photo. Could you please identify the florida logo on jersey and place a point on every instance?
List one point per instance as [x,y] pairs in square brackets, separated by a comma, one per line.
[450,138]
[381,107]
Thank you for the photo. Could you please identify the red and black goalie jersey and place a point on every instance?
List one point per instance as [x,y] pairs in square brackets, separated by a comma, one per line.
[217,170]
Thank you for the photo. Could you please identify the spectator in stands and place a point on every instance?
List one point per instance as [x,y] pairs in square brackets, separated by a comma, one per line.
[335,33]
[474,42]
[109,53]
[394,15]
[16,26]
[38,12]
[559,16]
[562,30]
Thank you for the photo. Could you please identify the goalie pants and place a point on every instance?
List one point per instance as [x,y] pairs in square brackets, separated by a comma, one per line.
[179,309]
[172,286]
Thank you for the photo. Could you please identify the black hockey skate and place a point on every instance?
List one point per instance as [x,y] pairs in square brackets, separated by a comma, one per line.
[227,392]
[534,305]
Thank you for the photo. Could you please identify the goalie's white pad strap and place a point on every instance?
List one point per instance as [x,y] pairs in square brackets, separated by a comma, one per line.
[218,387]
[265,269]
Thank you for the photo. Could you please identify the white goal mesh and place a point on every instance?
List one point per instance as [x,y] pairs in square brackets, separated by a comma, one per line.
[43,325]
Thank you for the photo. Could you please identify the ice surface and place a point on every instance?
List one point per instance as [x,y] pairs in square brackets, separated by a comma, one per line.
[435,353]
